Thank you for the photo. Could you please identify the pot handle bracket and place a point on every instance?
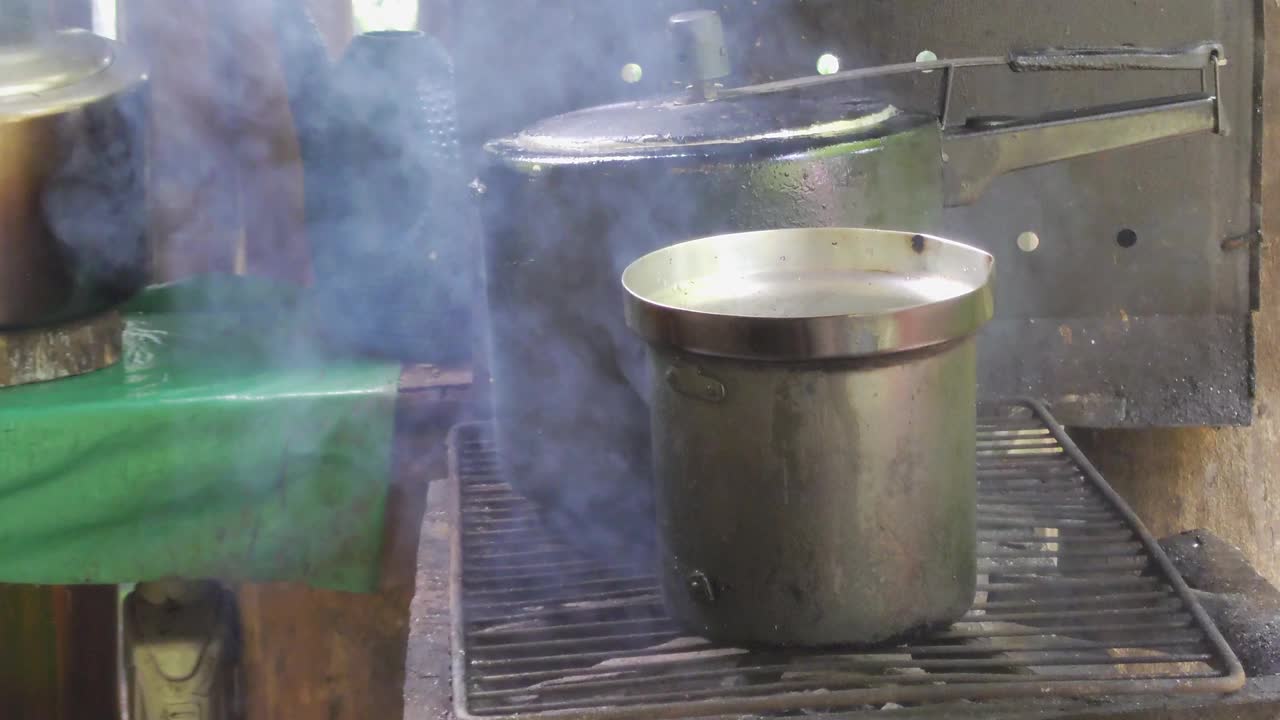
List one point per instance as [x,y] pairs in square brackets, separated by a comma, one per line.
[691,381]
[984,148]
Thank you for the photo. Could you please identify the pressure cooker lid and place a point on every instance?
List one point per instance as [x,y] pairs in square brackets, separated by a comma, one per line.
[59,71]
[671,127]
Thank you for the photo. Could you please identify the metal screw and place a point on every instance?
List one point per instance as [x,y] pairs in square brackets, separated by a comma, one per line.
[700,587]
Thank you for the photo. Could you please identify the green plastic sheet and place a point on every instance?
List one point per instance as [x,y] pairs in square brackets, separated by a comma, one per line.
[228,443]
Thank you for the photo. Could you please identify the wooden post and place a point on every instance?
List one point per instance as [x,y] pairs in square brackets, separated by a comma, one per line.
[59,649]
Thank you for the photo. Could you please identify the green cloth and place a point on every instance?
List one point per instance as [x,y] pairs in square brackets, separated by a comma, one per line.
[226,444]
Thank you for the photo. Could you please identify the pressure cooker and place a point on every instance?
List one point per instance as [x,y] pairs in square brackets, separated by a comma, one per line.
[571,201]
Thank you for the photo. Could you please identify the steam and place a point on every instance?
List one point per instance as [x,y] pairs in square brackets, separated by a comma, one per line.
[571,382]
[386,162]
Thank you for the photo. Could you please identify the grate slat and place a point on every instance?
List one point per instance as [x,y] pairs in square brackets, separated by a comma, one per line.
[1074,599]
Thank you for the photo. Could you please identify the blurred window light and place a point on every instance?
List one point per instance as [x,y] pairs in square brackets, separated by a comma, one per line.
[631,73]
[105,21]
[374,15]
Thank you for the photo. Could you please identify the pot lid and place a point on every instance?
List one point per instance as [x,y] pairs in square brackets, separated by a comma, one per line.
[666,127]
[58,71]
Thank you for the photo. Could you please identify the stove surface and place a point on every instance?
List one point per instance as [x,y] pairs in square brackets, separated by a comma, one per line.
[1075,600]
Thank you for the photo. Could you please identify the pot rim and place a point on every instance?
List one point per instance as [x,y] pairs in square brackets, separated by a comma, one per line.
[93,68]
[909,326]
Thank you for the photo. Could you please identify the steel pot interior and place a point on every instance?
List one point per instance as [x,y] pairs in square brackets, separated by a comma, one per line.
[809,293]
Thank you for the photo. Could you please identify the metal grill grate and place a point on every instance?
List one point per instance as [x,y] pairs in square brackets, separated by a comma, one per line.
[1074,599]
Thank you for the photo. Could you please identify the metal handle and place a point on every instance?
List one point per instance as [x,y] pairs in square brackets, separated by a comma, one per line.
[985,148]
[974,157]
[1201,55]
[1191,57]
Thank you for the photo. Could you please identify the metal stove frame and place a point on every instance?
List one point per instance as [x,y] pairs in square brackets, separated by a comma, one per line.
[1075,600]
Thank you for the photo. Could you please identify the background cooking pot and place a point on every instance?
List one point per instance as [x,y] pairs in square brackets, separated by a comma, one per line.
[813,412]
[72,177]
[570,201]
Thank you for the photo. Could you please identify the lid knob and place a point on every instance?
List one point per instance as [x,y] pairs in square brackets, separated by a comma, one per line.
[698,36]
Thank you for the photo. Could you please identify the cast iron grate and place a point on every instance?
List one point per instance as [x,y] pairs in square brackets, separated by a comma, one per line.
[1075,599]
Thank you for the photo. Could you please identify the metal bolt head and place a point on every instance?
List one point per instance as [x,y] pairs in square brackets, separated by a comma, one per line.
[701,588]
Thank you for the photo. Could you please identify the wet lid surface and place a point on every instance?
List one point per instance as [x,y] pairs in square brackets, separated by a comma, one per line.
[62,70]
[669,126]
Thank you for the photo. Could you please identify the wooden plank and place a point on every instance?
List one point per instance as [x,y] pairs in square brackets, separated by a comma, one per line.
[59,650]
[76,347]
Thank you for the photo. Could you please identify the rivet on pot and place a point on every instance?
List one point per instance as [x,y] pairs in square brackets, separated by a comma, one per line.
[700,588]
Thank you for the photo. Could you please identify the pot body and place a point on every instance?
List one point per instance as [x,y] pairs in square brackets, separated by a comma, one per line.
[72,190]
[570,381]
[816,503]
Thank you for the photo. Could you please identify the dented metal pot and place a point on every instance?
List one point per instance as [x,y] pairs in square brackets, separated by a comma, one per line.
[813,418]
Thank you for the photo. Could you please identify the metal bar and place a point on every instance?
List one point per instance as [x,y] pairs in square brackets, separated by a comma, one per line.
[1074,600]
[859,74]
[457,630]
[974,158]
[644,582]
[572,658]
[688,656]
[1124,551]
[642,601]
[663,624]
[1166,642]
[668,706]
[1039,521]
[577,642]
[539,580]
[1067,512]
[1097,539]
[838,672]
[1235,677]
[1043,492]
[497,571]
[1172,612]
[606,595]
[1063,651]
[1015,566]
[1058,629]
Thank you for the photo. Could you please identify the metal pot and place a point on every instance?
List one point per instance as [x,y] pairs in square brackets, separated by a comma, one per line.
[72,181]
[813,417]
[569,202]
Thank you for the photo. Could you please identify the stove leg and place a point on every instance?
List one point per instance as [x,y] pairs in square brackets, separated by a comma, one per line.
[182,641]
